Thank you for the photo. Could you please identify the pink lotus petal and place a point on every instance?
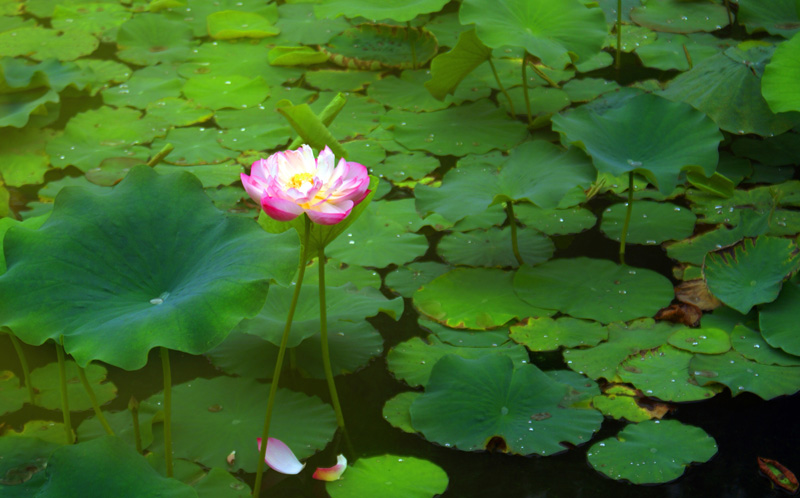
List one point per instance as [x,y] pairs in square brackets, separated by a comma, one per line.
[332,473]
[330,214]
[325,164]
[254,187]
[280,209]
[280,458]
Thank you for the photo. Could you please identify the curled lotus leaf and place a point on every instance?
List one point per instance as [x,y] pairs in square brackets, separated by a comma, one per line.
[381,46]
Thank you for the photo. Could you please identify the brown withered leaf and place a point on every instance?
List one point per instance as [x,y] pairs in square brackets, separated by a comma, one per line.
[780,475]
[686,314]
[696,292]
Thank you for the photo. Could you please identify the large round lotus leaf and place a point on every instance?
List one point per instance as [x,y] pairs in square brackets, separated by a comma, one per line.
[778,85]
[48,394]
[705,340]
[752,346]
[12,396]
[22,156]
[399,167]
[344,80]
[99,19]
[408,92]
[216,92]
[596,289]
[390,476]
[464,337]
[674,16]
[197,12]
[740,374]
[667,51]
[149,39]
[752,272]
[23,465]
[382,236]
[413,360]
[555,221]
[298,24]
[555,32]
[224,58]
[486,402]
[649,135]
[442,132]
[178,112]
[40,43]
[343,303]
[227,24]
[778,17]
[473,298]
[650,222]
[398,10]
[53,432]
[407,279]
[359,116]
[727,87]
[778,320]
[381,46]
[493,247]
[652,452]
[150,263]
[475,181]
[664,374]
[229,412]
[122,424]
[145,86]
[194,145]
[338,274]
[623,341]
[397,410]
[106,464]
[547,334]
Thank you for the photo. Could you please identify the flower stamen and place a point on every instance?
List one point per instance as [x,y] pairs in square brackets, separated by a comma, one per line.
[299,179]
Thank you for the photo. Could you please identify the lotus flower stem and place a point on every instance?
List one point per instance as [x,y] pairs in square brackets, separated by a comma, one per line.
[525,88]
[500,85]
[512,221]
[62,373]
[413,44]
[133,406]
[93,399]
[164,152]
[627,219]
[618,64]
[730,13]
[323,332]
[281,353]
[167,410]
[26,372]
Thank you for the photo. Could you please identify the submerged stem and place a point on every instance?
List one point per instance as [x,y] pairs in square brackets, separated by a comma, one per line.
[413,44]
[323,328]
[500,85]
[26,372]
[618,64]
[525,88]
[627,219]
[167,410]
[279,362]
[62,373]
[133,406]
[93,399]
[512,221]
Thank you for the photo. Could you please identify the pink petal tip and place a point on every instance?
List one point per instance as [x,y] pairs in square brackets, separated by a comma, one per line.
[332,473]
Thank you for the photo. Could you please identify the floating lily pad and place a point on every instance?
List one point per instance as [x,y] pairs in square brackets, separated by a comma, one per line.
[652,452]
[358,117]
[632,138]
[398,10]
[390,476]
[555,221]
[99,19]
[228,24]
[122,424]
[145,86]
[740,374]
[178,112]
[408,92]
[198,12]
[779,17]
[674,16]
[397,410]
[344,80]
[705,340]
[556,33]
[650,222]
[664,374]
[489,403]
[149,39]
[399,167]
[295,56]
[752,272]
[412,361]
[779,75]
[473,298]
[492,248]
[547,334]
[752,346]
[46,430]
[22,156]
[381,46]
[94,242]
[217,92]
[778,320]
[668,51]
[12,396]
[465,337]
[234,408]
[408,278]
[40,43]
[593,288]
[23,465]
[46,380]
[298,24]
[621,402]
[194,146]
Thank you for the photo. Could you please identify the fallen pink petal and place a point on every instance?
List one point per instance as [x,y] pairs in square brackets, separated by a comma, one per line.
[332,473]
[280,458]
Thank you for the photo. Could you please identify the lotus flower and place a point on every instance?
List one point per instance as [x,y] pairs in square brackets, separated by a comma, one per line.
[288,184]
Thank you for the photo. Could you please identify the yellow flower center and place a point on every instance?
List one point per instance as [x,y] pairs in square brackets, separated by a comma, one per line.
[297,180]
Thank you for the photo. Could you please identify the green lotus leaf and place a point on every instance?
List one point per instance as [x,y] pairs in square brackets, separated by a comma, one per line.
[390,476]
[465,337]
[217,92]
[194,146]
[736,105]
[593,288]
[740,374]
[12,396]
[178,112]
[668,51]
[547,334]
[442,132]
[408,92]
[46,381]
[449,69]
[491,217]
[153,257]
[341,80]
[492,248]
[381,46]
[22,157]
[555,221]
[228,24]
[623,341]
[224,58]
[752,272]
[338,274]
[99,19]
[219,483]
[210,175]
[397,410]
[780,74]
[621,402]
[693,250]
[588,89]
[544,101]
[149,39]
[406,279]
[344,303]
[779,17]
[109,464]
[633,38]
[610,9]
[144,86]
[648,135]
[674,16]
[23,465]
[473,298]
[6,223]
[706,340]
[412,361]
[650,223]
[490,404]
[16,108]
[121,423]
[752,346]
[399,167]
[556,33]
[199,11]
[358,117]
[295,56]
[298,24]
[234,408]
[777,320]
[52,432]
[652,452]
[398,10]
[98,74]
[664,373]
[41,43]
